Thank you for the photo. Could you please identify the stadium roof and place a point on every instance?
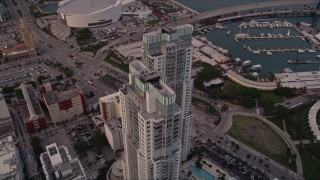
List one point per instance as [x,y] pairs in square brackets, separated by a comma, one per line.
[85,6]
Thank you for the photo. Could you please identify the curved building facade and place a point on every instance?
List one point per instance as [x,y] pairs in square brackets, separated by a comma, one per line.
[90,13]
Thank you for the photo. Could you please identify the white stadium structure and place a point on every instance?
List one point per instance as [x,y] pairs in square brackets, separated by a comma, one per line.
[90,13]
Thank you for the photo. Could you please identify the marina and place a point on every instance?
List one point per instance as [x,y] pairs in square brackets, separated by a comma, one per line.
[270,47]
[267,40]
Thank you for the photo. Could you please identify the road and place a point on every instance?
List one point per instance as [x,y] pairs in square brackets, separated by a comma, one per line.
[300,100]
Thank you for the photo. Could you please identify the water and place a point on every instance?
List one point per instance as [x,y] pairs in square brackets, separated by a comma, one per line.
[270,64]
[200,173]
[49,8]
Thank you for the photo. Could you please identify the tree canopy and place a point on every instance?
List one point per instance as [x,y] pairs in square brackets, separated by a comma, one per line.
[207,73]
[41,78]
[284,92]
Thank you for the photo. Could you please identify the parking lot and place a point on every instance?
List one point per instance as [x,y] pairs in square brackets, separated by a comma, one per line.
[12,73]
[234,165]
[112,82]
[7,36]
[108,32]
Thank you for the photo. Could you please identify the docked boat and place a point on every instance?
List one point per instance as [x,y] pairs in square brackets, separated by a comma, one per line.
[256,52]
[269,53]
[246,63]
[311,50]
[318,56]
[256,67]
[297,62]
[237,60]
[228,32]
[301,50]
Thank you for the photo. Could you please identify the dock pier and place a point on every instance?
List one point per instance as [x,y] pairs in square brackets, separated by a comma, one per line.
[268,37]
[282,50]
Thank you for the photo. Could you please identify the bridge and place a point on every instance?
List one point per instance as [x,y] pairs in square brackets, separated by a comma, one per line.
[253,6]
[240,8]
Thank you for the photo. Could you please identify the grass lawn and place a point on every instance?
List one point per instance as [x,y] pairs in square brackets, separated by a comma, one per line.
[276,121]
[211,109]
[310,160]
[259,136]
[153,22]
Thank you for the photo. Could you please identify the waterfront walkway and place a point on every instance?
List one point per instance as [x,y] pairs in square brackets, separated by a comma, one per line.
[313,120]
[237,78]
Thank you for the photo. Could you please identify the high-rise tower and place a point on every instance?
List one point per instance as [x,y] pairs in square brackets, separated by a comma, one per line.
[169,52]
[156,106]
[151,127]
[26,34]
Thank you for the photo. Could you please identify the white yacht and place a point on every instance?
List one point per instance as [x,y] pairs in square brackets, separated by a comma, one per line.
[256,52]
[237,60]
[256,67]
[246,63]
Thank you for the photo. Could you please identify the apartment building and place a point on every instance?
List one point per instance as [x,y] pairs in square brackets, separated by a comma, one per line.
[151,126]
[169,51]
[64,105]
[29,107]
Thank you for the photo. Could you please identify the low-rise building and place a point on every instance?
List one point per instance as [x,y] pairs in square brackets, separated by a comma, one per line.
[11,166]
[110,106]
[300,81]
[57,164]
[65,105]
[213,82]
[110,113]
[113,133]
[6,124]
[30,109]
